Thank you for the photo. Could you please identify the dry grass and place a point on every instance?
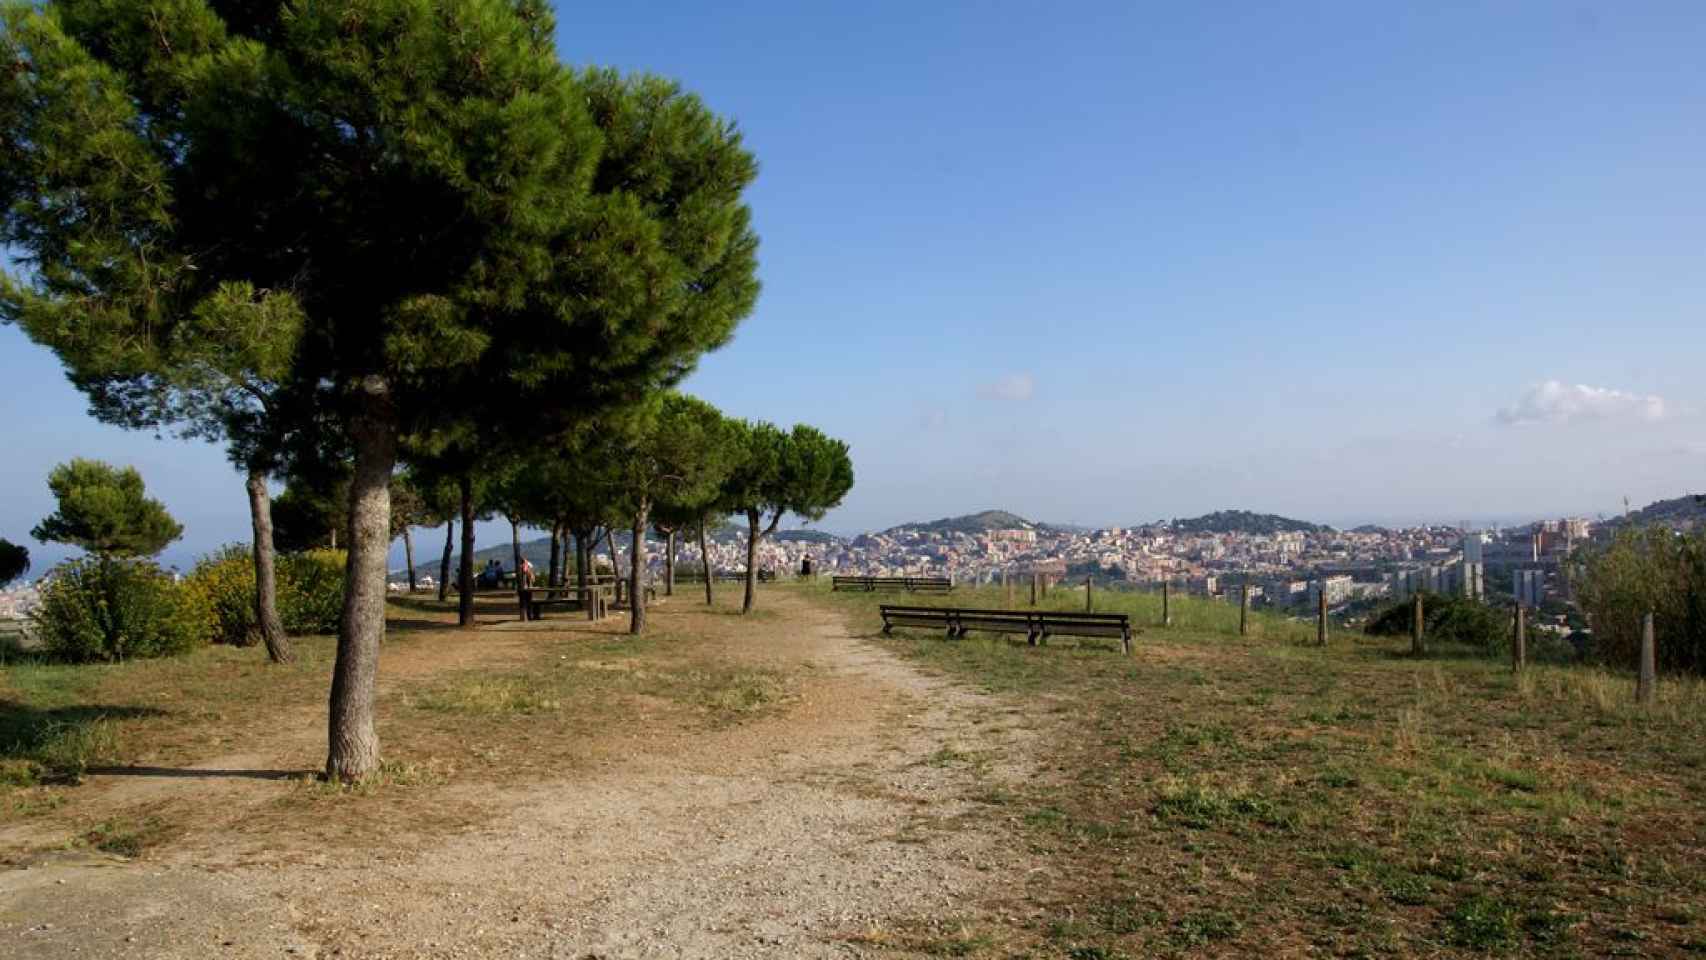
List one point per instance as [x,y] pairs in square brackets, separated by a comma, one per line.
[458,712]
[1217,796]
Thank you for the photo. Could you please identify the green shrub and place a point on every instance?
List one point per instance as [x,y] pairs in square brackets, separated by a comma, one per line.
[311,590]
[1641,571]
[1448,619]
[108,609]
[310,593]
[222,587]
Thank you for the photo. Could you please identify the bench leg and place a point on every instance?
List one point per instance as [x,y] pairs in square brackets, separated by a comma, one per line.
[886,628]
[1125,641]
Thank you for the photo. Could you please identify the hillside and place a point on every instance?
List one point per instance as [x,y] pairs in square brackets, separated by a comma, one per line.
[971,523]
[1244,521]
[1678,513]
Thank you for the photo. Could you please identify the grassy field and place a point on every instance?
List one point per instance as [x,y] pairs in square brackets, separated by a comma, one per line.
[1217,795]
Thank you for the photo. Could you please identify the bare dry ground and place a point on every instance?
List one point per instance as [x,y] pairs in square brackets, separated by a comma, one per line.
[725,787]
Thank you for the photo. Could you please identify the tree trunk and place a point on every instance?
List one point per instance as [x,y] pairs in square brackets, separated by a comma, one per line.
[582,551]
[465,569]
[669,564]
[615,559]
[705,558]
[636,574]
[266,581]
[515,551]
[353,749]
[752,518]
[409,556]
[444,565]
[551,574]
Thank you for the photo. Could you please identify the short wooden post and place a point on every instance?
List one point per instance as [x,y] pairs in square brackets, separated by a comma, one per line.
[1046,584]
[1418,642]
[1244,610]
[1646,686]
[1007,588]
[1519,641]
[1166,606]
[1321,616]
[1089,603]
[1034,578]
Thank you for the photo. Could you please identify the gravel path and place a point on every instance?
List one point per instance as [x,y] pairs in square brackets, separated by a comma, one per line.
[816,832]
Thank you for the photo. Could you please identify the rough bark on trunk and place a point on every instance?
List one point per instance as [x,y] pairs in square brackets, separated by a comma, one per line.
[444,565]
[582,551]
[515,551]
[669,564]
[353,748]
[551,574]
[409,556]
[636,575]
[752,518]
[615,558]
[465,569]
[705,560]
[266,580]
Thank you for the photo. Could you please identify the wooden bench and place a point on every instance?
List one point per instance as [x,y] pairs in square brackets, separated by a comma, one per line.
[909,584]
[726,576]
[1036,625]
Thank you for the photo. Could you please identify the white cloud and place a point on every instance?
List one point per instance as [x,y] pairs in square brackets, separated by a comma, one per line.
[1014,386]
[1553,401]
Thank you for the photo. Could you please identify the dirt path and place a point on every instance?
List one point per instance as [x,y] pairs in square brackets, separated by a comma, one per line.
[816,832]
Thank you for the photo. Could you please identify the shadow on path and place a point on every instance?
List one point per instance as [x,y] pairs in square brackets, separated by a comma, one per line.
[186,773]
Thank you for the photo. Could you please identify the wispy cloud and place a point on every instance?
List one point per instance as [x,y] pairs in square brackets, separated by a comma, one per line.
[1014,386]
[1553,401]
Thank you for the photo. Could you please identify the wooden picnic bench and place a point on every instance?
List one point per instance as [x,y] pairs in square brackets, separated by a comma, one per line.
[1036,625]
[909,584]
[597,598]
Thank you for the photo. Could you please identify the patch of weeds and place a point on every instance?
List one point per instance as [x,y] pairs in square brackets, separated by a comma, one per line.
[1198,929]
[1482,923]
[127,837]
[488,696]
[1549,927]
[391,774]
[1122,917]
[734,694]
[1093,953]
[1201,806]
[67,750]
[1404,887]
[1338,779]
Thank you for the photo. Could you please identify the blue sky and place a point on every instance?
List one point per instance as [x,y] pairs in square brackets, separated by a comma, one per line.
[1108,262]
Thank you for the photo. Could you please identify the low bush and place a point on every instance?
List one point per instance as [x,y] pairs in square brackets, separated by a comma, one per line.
[310,593]
[109,609]
[1643,571]
[222,588]
[1447,619]
[311,590]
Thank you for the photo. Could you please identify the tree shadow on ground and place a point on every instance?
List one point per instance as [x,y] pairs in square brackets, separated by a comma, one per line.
[186,773]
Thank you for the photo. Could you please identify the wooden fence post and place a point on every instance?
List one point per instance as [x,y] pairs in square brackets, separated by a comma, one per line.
[1007,588]
[1089,602]
[1034,577]
[1519,641]
[1418,644]
[1321,616]
[1244,610]
[1645,687]
[1166,607]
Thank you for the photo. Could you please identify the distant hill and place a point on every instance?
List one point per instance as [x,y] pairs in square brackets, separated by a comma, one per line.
[805,536]
[1244,521]
[971,523]
[1370,528]
[1680,513]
